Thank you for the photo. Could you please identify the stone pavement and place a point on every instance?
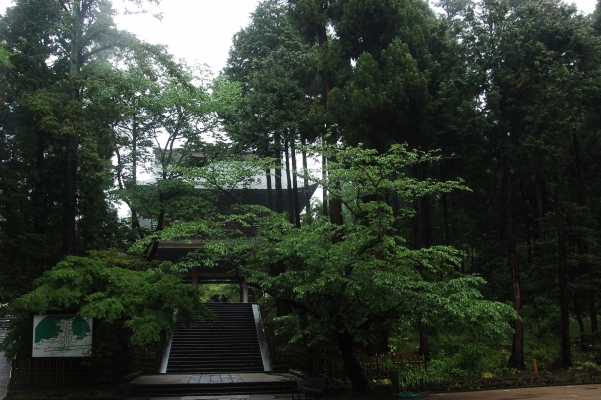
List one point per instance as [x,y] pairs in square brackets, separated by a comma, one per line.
[227,397]
[212,378]
[216,378]
[4,375]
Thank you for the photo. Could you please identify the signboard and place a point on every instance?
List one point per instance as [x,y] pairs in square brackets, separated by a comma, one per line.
[59,335]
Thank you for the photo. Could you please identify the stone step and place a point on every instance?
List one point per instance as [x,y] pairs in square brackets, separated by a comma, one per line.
[222,344]
[215,368]
[216,343]
[207,389]
[188,336]
[202,348]
[214,357]
[225,366]
[227,330]
[191,344]
[212,369]
[231,360]
[183,351]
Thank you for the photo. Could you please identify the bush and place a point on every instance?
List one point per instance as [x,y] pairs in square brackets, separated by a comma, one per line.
[121,292]
[471,359]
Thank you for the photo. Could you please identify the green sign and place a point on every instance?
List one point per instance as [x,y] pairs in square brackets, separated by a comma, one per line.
[61,336]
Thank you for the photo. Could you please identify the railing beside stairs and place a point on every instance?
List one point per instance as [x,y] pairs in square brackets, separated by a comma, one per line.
[261,337]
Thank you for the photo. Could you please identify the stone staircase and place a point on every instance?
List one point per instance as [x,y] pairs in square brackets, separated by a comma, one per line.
[231,344]
[215,359]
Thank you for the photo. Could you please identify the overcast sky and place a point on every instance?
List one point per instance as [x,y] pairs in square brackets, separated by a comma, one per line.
[196,30]
[201,30]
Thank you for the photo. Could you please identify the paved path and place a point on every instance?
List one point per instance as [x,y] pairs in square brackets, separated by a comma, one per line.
[211,378]
[226,397]
[4,368]
[4,375]
[580,392]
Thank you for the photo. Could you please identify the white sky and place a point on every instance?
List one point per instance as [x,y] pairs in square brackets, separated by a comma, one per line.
[196,30]
[201,30]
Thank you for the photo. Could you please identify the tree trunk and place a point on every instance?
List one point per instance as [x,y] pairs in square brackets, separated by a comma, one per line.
[289,184]
[527,223]
[579,181]
[278,175]
[322,39]
[418,244]
[593,312]
[566,355]
[38,196]
[135,223]
[536,314]
[324,174]
[516,360]
[583,246]
[72,141]
[70,197]
[578,313]
[269,190]
[295,199]
[42,186]
[335,207]
[424,346]
[336,217]
[351,365]
[445,218]
[540,231]
[426,212]
[306,195]
[282,308]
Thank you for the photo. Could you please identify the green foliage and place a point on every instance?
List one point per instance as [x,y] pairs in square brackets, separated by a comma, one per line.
[597,17]
[468,360]
[55,108]
[114,289]
[231,292]
[412,378]
[163,112]
[384,99]
[276,72]
[587,366]
[5,58]
[224,171]
[368,275]
[471,358]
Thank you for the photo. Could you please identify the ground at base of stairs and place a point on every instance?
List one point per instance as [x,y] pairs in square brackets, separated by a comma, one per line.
[83,394]
[213,378]
[235,397]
